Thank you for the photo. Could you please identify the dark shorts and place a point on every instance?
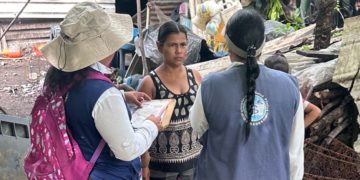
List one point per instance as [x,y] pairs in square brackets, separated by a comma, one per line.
[160,175]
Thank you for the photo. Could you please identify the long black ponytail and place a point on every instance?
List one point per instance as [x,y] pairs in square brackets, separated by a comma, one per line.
[245,29]
[252,73]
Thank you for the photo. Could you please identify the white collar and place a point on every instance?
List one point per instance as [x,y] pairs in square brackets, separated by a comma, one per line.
[237,63]
[101,68]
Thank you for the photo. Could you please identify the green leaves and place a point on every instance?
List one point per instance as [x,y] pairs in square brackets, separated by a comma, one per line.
[274,10]
[296,20]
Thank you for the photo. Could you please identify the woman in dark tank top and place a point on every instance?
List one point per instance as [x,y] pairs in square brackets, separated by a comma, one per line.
[174,151]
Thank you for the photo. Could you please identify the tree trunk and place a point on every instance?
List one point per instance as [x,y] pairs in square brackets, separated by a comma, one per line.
[323,24]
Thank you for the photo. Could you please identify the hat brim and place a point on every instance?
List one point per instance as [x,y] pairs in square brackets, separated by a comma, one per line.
[245,3]
[73,57]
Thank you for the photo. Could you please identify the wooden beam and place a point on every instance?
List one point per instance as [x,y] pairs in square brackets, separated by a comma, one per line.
[336,131]
[323,55]
[43,10]
[289,41]
[55,1]
[32,25]
[207,67]
[28,34]
[28,41]
[3,41]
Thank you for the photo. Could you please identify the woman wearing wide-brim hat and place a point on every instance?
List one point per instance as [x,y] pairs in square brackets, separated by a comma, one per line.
[95,109]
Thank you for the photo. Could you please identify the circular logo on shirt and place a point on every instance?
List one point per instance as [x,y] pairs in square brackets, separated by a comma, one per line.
[260,109]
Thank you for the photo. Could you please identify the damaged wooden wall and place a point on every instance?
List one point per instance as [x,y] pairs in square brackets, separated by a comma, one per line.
[349,58]
[44,8]
[35,22]
[26,32]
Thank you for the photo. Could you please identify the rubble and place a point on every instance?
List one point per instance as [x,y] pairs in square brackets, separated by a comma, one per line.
[33,76]
[338,117]
[329,147]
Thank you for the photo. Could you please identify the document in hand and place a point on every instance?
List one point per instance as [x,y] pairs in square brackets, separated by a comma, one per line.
[162,108]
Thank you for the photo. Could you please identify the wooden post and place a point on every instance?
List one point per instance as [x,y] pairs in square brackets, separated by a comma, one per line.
[147,16]
[143,57]
[3,41]
[323,24]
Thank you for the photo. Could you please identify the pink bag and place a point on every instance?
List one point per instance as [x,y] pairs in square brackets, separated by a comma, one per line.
[54,153]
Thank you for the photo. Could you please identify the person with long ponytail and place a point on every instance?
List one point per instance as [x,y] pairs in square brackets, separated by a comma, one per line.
[249,118]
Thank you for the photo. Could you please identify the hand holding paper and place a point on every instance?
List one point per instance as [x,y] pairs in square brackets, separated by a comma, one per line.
[156,120]
[161,108]
[137,98]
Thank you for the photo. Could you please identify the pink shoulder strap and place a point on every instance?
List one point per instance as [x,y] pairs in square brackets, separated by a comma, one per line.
[97,152]
[98,75]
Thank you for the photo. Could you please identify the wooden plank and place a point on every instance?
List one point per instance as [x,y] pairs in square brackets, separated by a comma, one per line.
[31,25]
[2,110]
[28,34]
[324,55]
[207,67]
[55,1]
[287,42]
[27,41]
[349,52]
[42,10]
[349,62]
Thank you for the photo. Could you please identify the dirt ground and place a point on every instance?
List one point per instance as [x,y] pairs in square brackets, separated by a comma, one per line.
[20,82]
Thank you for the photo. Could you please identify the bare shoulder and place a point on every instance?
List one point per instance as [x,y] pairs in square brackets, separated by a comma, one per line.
[147,86]
[197,76]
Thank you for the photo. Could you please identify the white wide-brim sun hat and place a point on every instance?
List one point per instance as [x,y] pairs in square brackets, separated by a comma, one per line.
[88,34]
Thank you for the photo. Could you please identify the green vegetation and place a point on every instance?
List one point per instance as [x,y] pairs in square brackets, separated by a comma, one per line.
[296,21]
[274,10]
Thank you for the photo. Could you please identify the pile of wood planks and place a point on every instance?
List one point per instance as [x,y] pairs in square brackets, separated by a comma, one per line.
[338,118]
[329,152]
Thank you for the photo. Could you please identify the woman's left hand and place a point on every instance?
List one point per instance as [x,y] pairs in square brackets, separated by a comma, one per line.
[145,173]
[136,98]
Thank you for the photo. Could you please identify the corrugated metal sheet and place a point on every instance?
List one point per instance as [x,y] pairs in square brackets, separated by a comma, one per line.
[349,58]
[44,8]
[166,7]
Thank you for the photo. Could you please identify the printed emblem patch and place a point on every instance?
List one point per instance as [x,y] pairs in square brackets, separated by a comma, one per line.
[260,110]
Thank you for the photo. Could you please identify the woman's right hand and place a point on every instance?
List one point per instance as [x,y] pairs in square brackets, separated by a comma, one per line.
[156,120]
